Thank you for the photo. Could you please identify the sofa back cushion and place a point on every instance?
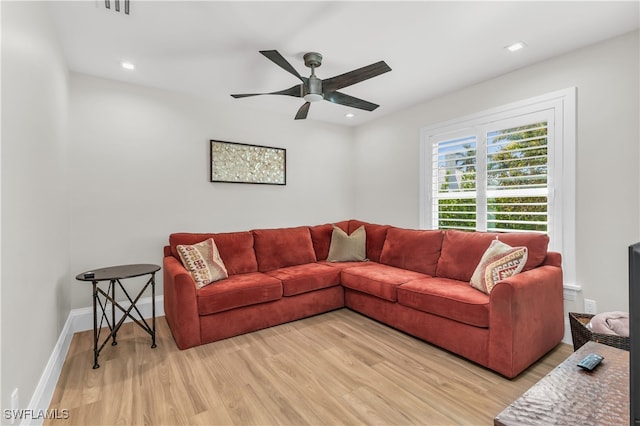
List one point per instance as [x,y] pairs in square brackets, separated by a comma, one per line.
[415,250]
[462,251]
[376,235]
[236,249]
[321,237]
[277,248]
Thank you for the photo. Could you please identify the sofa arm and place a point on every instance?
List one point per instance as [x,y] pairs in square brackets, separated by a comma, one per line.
[180,304]
[526,319]
[553,259]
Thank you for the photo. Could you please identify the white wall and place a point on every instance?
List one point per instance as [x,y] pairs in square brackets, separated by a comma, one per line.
[140,170]
[607,199]
[35,231]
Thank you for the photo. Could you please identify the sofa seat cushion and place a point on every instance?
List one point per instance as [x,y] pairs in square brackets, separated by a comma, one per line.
[452,299]
[236,249]
[378,280]
[412,249]
[278,248]
[462,251]
[305,278]
[238,290]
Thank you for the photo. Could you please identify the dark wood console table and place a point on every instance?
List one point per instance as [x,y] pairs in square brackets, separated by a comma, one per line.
[571,396]
[114,274]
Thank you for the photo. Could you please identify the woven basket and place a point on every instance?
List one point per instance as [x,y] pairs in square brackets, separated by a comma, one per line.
[580,334]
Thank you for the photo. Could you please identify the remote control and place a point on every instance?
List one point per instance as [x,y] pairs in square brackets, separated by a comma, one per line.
[590,362]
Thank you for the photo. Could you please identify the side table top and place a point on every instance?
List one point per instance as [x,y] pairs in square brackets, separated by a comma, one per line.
[119,272]
[569,395]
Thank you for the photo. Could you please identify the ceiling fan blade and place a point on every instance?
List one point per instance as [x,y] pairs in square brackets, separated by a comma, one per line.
[356,76]
[296,91]
[303,111]
[351,101]
[246,95]
[280,61]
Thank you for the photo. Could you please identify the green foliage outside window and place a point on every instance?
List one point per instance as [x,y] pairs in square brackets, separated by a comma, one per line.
[457,213]
[518,214]
[516,159]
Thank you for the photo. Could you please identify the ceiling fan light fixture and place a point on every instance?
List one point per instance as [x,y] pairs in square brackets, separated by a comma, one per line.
[313,97]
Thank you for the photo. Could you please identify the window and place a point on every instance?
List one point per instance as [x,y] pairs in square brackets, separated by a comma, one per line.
[507,169]
[454,183]
[517,178]
[494,178]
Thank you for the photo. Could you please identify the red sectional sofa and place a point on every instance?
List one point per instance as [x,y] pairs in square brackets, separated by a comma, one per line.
[416,281]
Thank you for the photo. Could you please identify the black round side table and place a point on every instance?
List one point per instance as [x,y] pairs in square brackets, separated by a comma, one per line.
[113,275]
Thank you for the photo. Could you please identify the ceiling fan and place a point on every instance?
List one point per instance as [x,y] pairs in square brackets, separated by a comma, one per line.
[314,89]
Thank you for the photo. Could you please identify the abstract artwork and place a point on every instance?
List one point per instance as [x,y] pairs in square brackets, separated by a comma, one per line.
[243,163]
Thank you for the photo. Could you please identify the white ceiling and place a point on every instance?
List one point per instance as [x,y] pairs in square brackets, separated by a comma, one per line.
[210,48]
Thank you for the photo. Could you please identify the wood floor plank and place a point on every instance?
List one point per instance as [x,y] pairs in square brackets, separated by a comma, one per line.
[335,368]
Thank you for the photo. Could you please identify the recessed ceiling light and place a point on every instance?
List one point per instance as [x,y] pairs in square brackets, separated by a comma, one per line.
[127,65]
[349,115]
[514,47]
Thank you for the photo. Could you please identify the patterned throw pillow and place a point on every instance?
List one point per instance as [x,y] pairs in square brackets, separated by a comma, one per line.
[203,262]
[499,262]
[348,248]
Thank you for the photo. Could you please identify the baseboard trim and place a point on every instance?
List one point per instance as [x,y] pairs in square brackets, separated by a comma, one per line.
[78,320]
[47,383]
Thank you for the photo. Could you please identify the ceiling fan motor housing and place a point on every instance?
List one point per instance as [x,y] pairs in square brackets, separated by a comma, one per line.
[314,90]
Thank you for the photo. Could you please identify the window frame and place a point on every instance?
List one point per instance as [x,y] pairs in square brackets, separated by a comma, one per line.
[561,164]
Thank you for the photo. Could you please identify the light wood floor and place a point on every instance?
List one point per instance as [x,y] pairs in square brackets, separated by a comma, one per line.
[335,368]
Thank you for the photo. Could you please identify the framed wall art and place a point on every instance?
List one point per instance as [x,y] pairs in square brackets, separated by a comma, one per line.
[243,163]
